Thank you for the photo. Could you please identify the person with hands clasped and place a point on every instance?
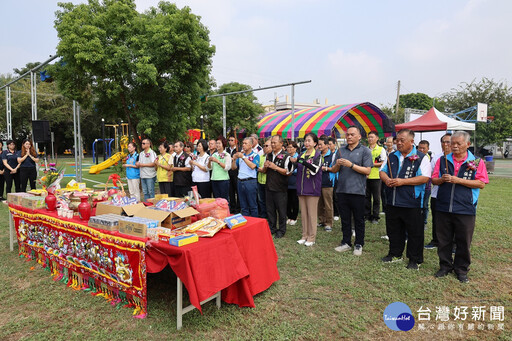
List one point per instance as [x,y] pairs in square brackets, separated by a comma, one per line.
[354,163]
[200,172]
[460,177]
[146,165]
[132,171]
[163,165]
[276,191]
[404,174]
[247,163]
[27,158]
[220,164]
[10,161]
[309,188]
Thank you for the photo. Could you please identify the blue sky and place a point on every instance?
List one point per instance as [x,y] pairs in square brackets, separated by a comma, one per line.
[353,51]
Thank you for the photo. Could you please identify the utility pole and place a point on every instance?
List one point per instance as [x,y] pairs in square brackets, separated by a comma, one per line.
[397,98]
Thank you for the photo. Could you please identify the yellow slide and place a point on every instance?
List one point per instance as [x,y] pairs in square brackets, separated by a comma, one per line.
[117,157]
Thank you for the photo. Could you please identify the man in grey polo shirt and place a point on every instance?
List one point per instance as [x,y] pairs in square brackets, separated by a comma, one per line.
[354,162]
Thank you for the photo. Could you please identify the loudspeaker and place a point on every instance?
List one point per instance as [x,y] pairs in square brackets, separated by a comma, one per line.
[41,131]
[388,125]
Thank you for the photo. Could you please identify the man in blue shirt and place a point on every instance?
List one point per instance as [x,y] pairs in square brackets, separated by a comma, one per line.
[247,165]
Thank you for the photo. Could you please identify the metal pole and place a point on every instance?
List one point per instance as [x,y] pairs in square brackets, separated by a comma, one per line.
[80,153]
[53,151]
[8,110]
[224,116]
[293,112]
[74,139]
[258,89]
[33,91]
[104,142]
[29,71]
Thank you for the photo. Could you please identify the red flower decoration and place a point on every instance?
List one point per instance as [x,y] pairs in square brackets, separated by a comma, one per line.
[413,157]
[472,165]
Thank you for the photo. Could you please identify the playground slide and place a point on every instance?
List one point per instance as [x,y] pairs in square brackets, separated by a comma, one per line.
[117,157]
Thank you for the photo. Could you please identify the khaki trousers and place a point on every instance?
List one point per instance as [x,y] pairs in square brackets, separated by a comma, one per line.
[325,209]
[308,212]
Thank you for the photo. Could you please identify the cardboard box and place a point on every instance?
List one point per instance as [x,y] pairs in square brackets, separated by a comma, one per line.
[171,220]
[133,228]
[33,203]
[129,210]
[161,196]
[15,198]
[179,218]
[235,221]
[156,199]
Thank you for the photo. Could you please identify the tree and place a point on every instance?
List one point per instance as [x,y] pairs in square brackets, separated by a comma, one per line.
[390,112]
[147,69]
[498,96]
[416,101]
[242,110]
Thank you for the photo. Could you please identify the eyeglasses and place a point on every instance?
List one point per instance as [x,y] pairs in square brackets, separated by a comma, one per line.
[446,142]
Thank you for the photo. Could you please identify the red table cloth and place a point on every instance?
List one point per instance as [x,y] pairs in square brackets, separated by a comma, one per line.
[240,262]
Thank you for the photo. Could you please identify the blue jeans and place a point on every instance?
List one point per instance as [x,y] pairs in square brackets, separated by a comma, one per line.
[262,207]
[148,187]
[248,196]
[220,189]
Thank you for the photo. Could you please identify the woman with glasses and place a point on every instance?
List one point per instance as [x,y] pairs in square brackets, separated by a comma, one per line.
[200,171]
[10,161]
[27,158]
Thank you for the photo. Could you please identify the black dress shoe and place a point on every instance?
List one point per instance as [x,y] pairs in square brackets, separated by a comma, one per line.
[442,273]
[412,266]
[463,278]
[278,235]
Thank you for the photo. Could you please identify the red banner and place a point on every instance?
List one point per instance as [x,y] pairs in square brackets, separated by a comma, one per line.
[84,258]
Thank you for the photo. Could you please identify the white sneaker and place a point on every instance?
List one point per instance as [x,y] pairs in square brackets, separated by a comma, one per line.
[328,228]
[309,243]
[358,250]
[293,222]
[301,241]
[342,248]
[336,218]
[385,237]
[288,221]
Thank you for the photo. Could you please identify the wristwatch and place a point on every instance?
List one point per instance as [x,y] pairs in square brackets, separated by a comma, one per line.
[352,165]
[244,157]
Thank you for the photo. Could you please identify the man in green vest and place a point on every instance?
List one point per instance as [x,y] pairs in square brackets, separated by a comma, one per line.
[373,182]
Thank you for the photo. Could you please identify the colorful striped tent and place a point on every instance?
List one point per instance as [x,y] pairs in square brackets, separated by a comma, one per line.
[332,120]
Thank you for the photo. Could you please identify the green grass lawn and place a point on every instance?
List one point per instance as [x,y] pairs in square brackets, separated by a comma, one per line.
[321,295]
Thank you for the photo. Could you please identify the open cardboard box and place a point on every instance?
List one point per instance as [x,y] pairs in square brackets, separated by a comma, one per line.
[172,220]
[129,210]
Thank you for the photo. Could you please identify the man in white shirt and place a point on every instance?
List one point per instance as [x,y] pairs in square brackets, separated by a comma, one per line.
[146,165]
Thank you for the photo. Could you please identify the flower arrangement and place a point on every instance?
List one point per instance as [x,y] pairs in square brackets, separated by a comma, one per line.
[50,181]
[471,165]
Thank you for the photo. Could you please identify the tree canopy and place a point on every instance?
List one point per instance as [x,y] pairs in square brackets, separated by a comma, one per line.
[148,69]
[497,95]
[242,111]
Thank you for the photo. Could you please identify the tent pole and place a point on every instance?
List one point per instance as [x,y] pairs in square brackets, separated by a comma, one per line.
[293,112]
